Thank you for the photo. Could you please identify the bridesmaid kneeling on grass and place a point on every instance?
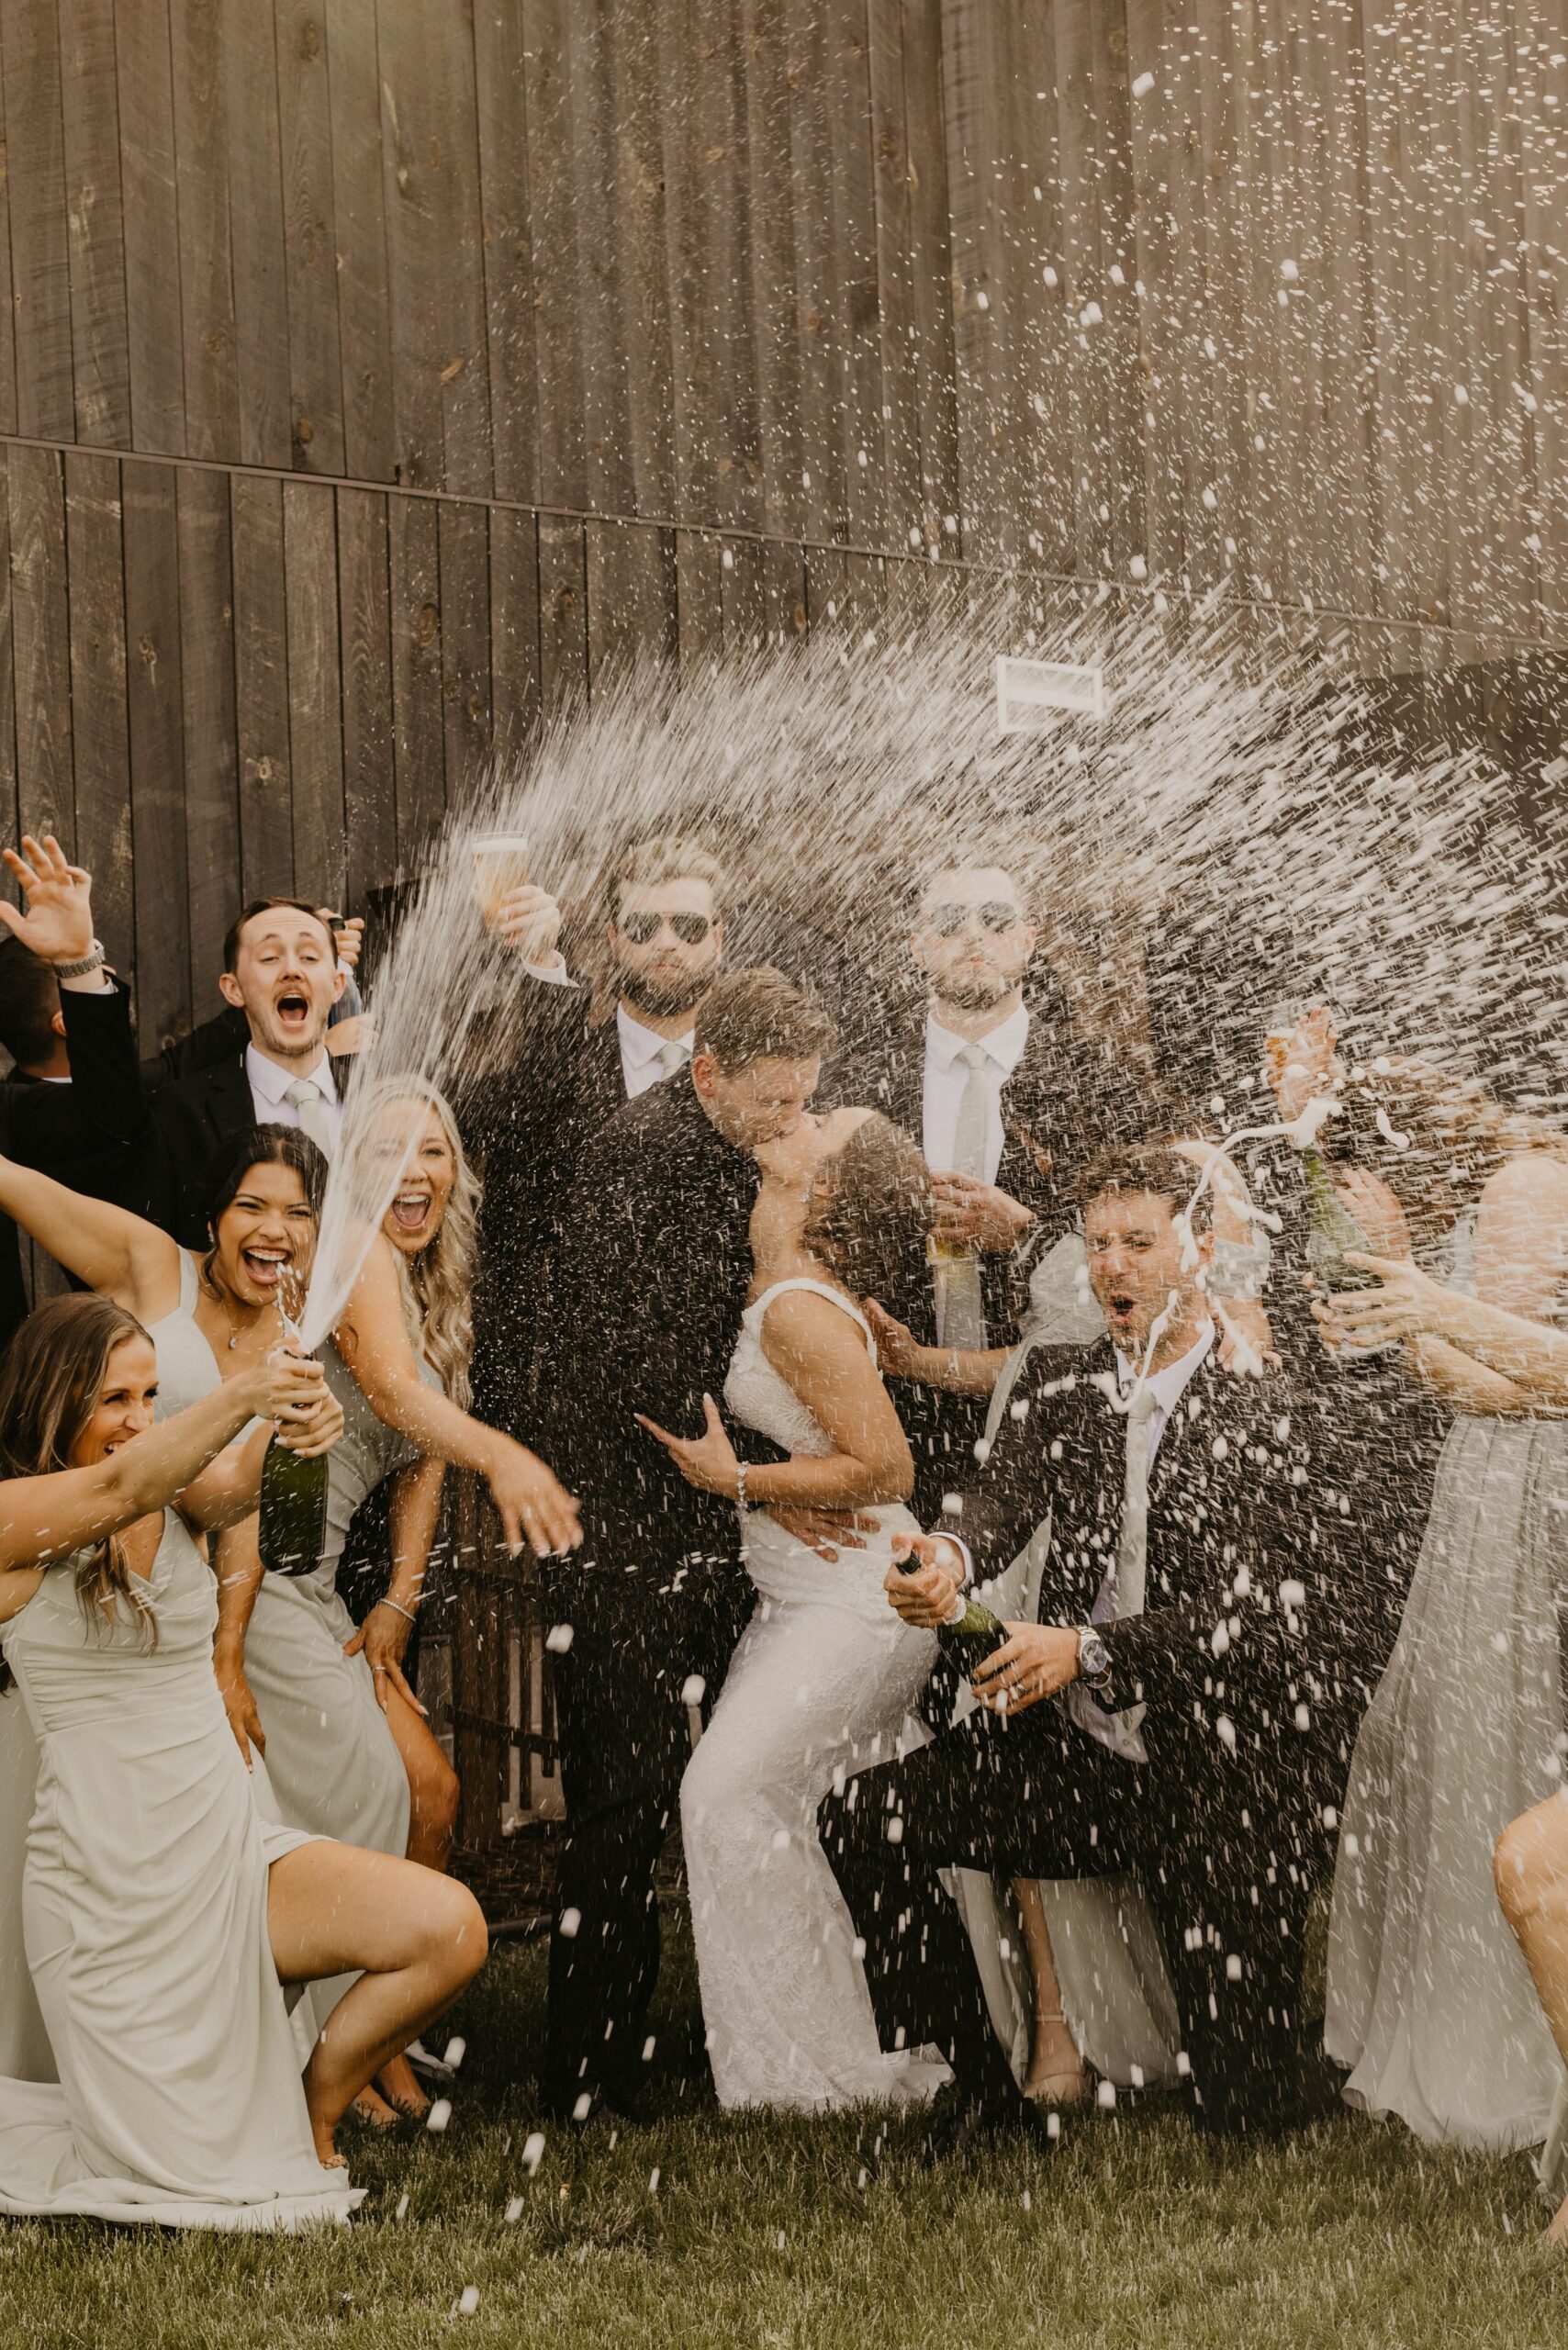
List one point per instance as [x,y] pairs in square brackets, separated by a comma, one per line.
[163,1914]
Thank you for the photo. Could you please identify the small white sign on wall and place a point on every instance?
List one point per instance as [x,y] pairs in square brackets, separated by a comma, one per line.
[1028,693]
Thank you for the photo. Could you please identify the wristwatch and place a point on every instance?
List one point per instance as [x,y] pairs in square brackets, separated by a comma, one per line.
[1093,1658]
[93,961]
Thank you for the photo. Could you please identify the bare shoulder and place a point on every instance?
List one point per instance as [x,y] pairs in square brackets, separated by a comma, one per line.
[1532,1178]
[802,1326]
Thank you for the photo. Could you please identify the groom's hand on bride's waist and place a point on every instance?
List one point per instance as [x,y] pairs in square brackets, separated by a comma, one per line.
[826,1532]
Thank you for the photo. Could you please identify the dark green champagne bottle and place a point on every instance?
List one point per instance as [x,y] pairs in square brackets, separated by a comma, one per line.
[969,1638]
[293,1510]
[1331,1230]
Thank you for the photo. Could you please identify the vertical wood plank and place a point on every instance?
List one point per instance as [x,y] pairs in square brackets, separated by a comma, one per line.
[100,748]
[975,79]
[8,812]
[700,605]
[770,206]
[40,263]
[500,72]
[898,354]
[315,691]
[931,268]
[631,595]
[100,345]
[213,885]
[155,711]
[364,626]
[418,751]
[436,266]
[464,553]
[260,670]
[515,699]
[563,615]
[45,786]
[148,181]
[256,235]
[645,348]
[7,304]
[822,500]
[364,332]
[207,286]
[562,471]
[310,241]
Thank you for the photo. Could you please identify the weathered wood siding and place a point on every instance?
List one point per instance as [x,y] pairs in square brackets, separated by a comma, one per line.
[375,372]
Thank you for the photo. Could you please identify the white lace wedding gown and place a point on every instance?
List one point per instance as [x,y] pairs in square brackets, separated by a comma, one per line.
[820,1688]
[145,1909]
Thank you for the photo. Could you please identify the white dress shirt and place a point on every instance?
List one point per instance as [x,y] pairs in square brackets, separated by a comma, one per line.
[269,1083]
[946,1076]
[640,1049]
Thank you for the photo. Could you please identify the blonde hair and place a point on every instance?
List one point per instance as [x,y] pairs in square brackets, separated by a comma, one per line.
[436,1285]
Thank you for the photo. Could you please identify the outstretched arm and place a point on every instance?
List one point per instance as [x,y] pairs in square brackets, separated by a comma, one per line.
[112,1251]
[43,1517]
[374,1341]
[384,1635]
[237,1563]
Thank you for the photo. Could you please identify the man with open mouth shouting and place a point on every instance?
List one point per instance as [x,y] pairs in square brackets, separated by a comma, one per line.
[281,969]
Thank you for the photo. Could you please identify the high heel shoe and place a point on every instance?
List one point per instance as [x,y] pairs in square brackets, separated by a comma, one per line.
[1060,2084]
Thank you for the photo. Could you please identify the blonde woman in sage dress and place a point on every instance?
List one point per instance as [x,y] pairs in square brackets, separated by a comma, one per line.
[1430,2007]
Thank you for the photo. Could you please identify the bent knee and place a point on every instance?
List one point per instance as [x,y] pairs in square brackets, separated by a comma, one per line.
[434,1791]
[458,1933]
[1529,1862]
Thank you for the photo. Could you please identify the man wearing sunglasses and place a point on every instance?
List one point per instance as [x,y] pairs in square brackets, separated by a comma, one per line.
[664,945]
[1007,1099]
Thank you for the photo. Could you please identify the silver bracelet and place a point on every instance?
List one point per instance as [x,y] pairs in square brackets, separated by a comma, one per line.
[398,1609]
[740,1484]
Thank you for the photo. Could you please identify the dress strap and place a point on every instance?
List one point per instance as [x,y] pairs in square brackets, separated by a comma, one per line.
[817,1289]
[190,1282]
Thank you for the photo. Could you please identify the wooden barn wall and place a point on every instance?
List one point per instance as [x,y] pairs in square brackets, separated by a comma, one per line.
[372,372]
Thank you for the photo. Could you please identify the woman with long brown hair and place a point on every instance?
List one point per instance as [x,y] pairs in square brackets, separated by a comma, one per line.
[163,1913]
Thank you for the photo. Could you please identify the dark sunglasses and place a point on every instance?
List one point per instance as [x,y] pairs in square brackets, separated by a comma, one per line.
[642,929]
[994,915]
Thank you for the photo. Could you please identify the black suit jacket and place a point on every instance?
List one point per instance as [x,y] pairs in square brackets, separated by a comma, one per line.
[82,1133]
[1058,1106]
[1234,1491]
[654,1266]
[191,1116]
[528,1126]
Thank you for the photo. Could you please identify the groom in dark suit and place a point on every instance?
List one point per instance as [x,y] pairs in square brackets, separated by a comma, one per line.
[1187,1617]
[654,1266]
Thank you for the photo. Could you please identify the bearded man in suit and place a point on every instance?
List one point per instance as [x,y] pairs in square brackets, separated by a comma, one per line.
[1189,1617]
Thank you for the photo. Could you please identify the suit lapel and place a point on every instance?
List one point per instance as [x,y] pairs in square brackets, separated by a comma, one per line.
[227,1105]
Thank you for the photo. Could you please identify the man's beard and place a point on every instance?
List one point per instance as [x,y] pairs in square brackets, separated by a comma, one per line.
[272,1038]
[666,998]
[977,994]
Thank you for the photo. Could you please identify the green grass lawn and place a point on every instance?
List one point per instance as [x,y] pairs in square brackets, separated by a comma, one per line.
[1130,2232]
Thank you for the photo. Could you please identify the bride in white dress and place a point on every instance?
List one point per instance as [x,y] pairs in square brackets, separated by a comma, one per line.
[822,1682]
